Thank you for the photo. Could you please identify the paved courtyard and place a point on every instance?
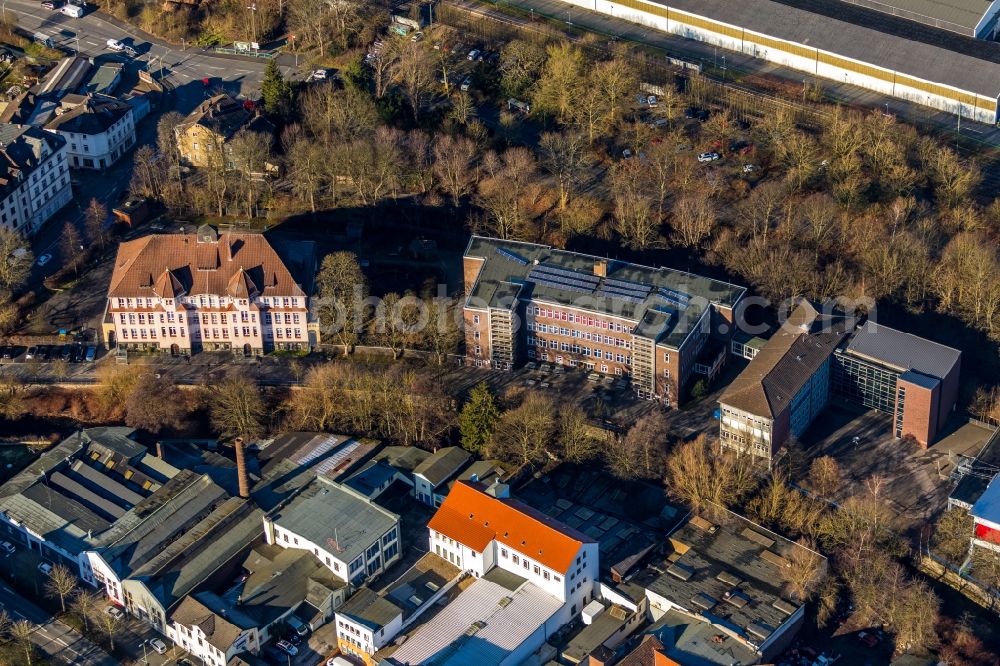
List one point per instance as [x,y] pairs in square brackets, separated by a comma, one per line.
[917,480]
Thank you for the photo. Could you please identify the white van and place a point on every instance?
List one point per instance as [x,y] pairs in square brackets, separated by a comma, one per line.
[72,10]
[298,625]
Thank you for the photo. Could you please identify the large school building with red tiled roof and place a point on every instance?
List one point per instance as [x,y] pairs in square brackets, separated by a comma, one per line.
[183,293]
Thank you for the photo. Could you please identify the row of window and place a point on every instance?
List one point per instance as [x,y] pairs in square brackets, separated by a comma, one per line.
[577,349]
[211,300]
[583,320]
[584,335]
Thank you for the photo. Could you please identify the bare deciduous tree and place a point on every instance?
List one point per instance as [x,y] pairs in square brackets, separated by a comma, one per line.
[61,584]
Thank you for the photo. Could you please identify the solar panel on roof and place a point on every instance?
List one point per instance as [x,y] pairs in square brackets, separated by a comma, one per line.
[674,295]
[513,256]
[565,272]
[628,284]
[549,281]
[625,297]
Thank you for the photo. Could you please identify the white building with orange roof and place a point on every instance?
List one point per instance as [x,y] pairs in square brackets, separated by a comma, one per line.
[478,528]
[184,293]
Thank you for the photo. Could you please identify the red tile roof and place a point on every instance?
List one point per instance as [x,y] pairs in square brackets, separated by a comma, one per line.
[474,519]
[232,264]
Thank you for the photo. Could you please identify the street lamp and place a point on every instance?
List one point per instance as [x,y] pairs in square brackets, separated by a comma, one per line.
[253,21]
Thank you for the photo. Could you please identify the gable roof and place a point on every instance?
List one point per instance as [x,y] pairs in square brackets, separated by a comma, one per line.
[443,464]
[234,264]
[88,114]
[788,360]
[225,116]
[474,518]
[220,631]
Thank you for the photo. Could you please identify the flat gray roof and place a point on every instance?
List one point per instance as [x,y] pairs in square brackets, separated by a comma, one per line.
[671,302]
[960,16]
[481,626]
[902,351]
[367,608]
[730,572]
[324,511]
[865,35]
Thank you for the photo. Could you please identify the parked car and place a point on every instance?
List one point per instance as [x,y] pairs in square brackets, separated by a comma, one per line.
[159,647]
[693,112]
[466,84]
[749,168]
[318,75]
[44,259]
[30,353]
[627,154]
[417,36]
[114,612]
[6,352]
[287,648]
[474,55]
[67,352]
[44,352]
[7,547]
[708,157]
[115,45]
[77,353]
[91,354]
[50,4]
[651,100]
[45,568]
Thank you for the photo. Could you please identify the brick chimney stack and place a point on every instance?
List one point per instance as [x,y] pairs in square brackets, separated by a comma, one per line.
[241,468]
[159,449]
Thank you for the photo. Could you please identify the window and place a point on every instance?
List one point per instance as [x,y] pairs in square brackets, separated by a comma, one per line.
[516,559]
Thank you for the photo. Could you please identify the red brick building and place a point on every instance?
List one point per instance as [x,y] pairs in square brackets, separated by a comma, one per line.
[528,302]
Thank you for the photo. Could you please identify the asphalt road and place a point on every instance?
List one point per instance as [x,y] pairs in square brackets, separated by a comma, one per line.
[183,67]
[60,644]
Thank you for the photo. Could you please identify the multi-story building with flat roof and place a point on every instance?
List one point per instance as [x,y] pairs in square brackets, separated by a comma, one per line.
[912,378]
[183,293]
[529,302]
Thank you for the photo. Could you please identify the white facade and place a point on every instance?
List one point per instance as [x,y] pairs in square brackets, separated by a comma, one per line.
[101,150]
[192,639]
[362,640]
[801,57]
[37,195]
[28,538]
[574,587]
[378,554]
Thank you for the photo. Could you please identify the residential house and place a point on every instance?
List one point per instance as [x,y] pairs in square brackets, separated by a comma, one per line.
[529,302]
[369,623]
[34,177]
[352,536]
[366,623]
[430,477]
[204,135]
[478,529]
[98,129]
[238,292]
[209,630]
